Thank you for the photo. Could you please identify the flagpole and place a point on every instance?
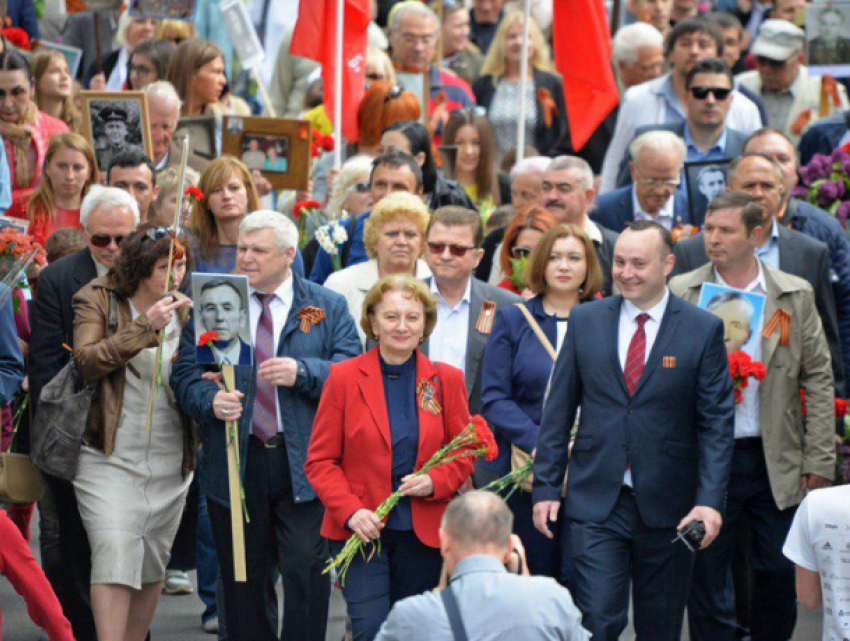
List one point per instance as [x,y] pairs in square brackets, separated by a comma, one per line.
[523,83]
[340,24]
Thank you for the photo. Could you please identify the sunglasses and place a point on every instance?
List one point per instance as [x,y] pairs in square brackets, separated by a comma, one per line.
[459,251]
[104,240]
[473,110]
[375,76]
[360,188]
[770,62]
[158,233]
[701,93]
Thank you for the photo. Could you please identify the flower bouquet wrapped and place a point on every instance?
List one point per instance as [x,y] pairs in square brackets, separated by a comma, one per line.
[18,252]
[742,368]
[475,440]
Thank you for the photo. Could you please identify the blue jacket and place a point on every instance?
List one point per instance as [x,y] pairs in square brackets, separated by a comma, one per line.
[616,208]
[515,373]
[332,340]
[676,430]
[11,360]
[815,222]
[22,14]
[822,137]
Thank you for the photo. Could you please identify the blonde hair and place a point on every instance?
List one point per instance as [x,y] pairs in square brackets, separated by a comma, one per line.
[395,206]
[408,285]
[201,219]
[175,30]
[494,64]
[40,63]
[43,198]
[376,57]
[168,182]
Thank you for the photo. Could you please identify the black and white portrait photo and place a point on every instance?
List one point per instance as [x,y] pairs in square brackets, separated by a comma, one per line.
[828,39]
[163,9]
[116,122]
[706,180]
[222,319]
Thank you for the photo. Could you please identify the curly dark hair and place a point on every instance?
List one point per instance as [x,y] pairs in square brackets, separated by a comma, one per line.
[140,253]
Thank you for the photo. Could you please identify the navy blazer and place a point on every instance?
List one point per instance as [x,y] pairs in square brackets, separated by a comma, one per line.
[823,137]
[332,340]
[616,208]
[22,14]
[676,431]
[515,374]
[205,354]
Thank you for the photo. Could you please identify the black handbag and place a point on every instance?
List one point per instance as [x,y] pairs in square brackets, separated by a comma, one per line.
[63,415]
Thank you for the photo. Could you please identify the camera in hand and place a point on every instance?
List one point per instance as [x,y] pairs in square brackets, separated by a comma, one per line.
[692,535]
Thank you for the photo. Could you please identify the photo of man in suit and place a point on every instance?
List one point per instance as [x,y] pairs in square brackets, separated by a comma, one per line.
[829,46]
[221,309]
[737,313]
[654,443]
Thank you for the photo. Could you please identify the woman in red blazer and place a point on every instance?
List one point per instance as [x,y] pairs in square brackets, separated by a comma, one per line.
[381,417]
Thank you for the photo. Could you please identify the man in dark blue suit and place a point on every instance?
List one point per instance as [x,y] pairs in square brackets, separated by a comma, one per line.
[656,168]
[654,445]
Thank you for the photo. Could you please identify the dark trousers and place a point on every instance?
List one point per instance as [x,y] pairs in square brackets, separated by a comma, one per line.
[404,567]
[711,607]
[184,548]
[281,534]
[607,555]
[73,582]
[546,557]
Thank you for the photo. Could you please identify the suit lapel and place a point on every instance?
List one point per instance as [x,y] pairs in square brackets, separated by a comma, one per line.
[372,388]
[669,325]
[475,340]
[86,270]
[788,254]
[300,300]
[612,330]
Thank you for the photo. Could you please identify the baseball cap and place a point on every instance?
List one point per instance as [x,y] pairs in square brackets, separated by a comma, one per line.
[778,40]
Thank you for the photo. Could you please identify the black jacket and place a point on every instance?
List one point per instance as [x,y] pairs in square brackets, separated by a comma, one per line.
[550,141]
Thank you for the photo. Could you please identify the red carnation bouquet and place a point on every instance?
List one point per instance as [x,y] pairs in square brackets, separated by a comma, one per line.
[842,461]
[18,253]
[303,211]
[475,440]
[742,368]
[17,37]
[320,143]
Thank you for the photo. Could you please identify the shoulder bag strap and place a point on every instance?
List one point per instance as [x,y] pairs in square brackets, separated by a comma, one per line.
[453,612]
[538,331]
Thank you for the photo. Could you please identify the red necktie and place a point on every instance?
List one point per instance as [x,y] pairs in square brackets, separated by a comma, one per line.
[635,357]
[265,406]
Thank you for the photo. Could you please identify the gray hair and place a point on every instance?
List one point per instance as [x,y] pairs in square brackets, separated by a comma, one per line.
[532,165]
[285,231]
[354,170]
[663,142]
[100,197]
[164,90]
[631,38]
[565,163]
[412,7]
[478,519]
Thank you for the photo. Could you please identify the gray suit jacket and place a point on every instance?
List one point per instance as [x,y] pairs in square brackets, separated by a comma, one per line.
[475,340]
[493,604]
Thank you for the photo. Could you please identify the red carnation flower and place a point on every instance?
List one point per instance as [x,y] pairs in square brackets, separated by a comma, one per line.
[305,206]
[207,337]
[194,194]
[17,37]
[484,437]
[840,408]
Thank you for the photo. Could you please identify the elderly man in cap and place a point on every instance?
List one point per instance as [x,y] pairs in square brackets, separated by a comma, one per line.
[782,81]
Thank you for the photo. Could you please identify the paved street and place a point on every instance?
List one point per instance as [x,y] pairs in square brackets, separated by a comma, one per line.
[178,618]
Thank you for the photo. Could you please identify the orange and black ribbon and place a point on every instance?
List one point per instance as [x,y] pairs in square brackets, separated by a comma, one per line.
[484,324]
[547,102]
[310,316]
[782,320]
[427,398]
[828,96]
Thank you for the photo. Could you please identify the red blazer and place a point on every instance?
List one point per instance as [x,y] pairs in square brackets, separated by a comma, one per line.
[349,461]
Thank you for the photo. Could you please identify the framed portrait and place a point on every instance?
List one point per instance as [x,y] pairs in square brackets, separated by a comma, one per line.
[221,306]
[18,224]
[202,131]
[742,313]
[705,181]
[828,39]
[115,122]
[73,55]
[243,35]
[277,147]
[163,9]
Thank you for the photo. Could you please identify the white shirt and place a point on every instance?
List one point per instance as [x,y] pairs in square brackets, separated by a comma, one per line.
[747,415]
[279,308]
[101,270]
[819,541]
[628,326]
[448,340]
[664,217]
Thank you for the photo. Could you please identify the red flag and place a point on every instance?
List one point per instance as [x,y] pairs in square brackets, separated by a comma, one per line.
[582,43]
[313,38]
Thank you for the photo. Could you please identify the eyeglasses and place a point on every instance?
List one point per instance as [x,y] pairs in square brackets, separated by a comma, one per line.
[459,251]
[359,188]
[104,240]
[659,183]
[411,39]
[520,252]
[140,70]
[770,62]
[701,93]
[394,92]
[473,110]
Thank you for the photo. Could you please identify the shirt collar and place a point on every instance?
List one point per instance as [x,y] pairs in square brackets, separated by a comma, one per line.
[592,230]
[719,145]
[665,212]
[759,284]
[467,294]
[656,312]
[285,291]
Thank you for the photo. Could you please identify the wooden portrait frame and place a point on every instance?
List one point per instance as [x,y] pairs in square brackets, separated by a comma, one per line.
[202,129]
[297,175]
[90,100]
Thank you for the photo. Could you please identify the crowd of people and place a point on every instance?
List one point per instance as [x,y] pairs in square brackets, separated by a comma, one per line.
[441,273]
